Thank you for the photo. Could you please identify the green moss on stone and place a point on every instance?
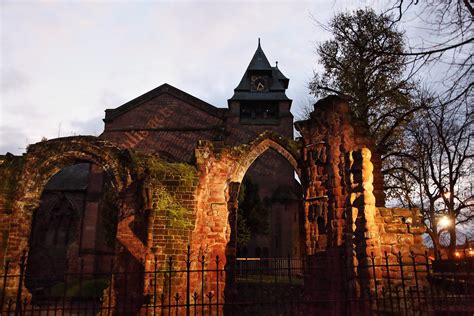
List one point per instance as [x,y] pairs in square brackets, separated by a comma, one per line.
[157,174]
[294,146]
[177,214]
[157,169]
[10,170]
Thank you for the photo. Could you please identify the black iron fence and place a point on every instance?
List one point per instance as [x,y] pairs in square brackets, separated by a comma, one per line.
[417,285]
[386,285]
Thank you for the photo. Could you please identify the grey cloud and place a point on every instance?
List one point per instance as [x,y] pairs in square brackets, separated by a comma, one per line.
[12,80]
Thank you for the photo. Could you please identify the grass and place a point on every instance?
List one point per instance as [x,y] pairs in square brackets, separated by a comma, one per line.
[77,289]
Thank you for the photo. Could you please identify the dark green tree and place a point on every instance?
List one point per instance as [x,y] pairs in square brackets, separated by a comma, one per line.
[379,86]
[252,215]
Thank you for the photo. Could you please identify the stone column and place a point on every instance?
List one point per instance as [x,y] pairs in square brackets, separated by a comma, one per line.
[364,226]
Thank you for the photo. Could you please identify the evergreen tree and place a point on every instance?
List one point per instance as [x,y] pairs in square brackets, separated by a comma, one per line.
[355,64]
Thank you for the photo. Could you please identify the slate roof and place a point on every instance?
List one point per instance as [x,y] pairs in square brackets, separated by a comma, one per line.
[260,65]
[277,74]
[254,96]
[259,60]
[110,114]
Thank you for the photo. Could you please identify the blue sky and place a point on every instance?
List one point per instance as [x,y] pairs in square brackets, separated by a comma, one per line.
[63,63]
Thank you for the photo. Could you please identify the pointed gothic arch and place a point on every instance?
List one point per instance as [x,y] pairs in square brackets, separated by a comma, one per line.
[266,141]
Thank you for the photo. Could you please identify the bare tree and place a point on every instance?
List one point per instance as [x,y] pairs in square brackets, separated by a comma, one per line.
[435,174]
[437,167]
[443,49]
[424,141]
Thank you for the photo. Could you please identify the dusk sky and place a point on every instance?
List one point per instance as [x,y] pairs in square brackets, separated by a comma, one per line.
[64,62]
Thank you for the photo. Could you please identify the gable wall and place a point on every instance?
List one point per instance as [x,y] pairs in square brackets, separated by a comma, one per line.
[163,124]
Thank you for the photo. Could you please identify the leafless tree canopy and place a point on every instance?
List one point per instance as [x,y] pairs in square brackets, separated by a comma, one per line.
[435,174]
[445,47]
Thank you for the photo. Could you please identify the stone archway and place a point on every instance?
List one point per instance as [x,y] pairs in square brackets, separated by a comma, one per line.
[275,215]
[39,164]
[260,145]
[220,172]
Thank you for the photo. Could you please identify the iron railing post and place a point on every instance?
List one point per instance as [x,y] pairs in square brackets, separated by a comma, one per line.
[388,279]
[20,285]
[188,285]
[416,279]
[217,285]
[154,285]
[2,302]
[375,282]
[176,298]
[210,296]
[430,278]
[170,270]
[111,277]
[81,275]
[403,281]
[202,284]
[195,298]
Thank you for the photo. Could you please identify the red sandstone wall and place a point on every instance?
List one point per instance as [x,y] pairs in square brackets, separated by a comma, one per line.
[171,127]
[10,168]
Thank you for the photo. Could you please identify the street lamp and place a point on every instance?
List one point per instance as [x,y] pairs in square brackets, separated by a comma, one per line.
[444,221]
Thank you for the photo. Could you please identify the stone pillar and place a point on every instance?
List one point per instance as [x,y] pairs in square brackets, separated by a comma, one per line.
[364,226]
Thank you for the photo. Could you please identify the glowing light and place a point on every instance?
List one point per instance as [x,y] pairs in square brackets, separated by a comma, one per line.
[457,254]
[444,221]
[447,195]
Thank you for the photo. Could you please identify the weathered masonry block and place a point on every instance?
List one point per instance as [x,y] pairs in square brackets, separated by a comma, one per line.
[154,199]
[345,218]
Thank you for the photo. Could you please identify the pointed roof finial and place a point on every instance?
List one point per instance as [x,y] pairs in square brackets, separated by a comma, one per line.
[276,64]
[259,60]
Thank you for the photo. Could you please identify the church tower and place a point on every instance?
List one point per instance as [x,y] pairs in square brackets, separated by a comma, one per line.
[260,104]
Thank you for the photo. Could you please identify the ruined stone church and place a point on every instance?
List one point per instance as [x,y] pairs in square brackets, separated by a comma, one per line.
[169,122]
[166,174]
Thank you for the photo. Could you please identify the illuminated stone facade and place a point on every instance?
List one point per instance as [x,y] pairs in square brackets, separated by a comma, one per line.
[170,182]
